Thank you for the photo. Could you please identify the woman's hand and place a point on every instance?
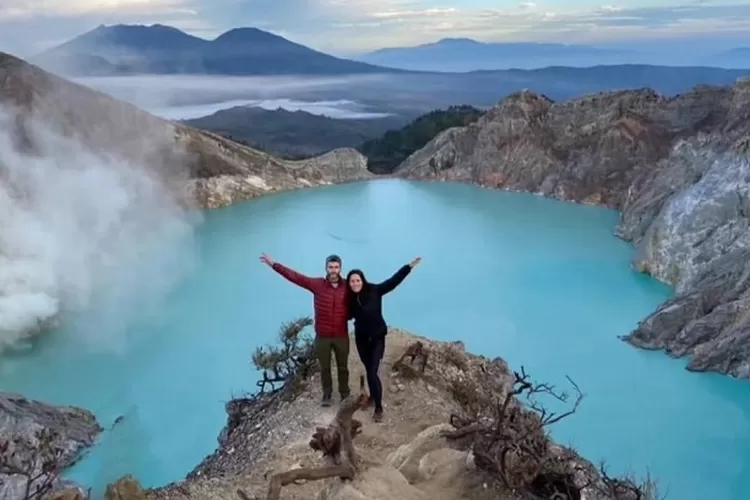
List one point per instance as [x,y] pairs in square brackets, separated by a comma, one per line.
[415,262]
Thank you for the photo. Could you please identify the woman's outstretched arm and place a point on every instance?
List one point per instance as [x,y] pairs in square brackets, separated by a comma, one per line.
[391,283]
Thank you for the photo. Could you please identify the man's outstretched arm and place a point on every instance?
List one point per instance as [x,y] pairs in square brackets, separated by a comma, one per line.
[298,279]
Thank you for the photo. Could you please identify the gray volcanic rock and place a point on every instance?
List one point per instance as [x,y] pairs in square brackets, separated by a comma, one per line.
[678,169]
[73,430]
[709,320]
[335,167]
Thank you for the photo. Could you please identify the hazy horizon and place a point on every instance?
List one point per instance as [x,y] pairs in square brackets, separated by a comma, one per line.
[350,29]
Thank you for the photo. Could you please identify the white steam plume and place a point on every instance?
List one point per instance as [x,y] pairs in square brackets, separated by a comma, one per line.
[82,231]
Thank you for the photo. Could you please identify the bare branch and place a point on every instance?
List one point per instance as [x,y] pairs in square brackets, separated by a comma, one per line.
[627,487]
[505,426]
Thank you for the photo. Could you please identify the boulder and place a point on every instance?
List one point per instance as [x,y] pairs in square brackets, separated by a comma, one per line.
[125,488]
[443,465]
[406,457]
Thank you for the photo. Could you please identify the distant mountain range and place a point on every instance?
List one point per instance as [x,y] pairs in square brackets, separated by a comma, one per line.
[159,49]
[465,54]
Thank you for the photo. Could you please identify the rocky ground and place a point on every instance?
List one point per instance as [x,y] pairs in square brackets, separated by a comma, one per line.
[677,168]
[406,457]
[37,434]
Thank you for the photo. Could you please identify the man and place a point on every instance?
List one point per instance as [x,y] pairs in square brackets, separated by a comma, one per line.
[330,316]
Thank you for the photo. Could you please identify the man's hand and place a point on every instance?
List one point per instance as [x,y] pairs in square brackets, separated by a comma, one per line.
[266,260]
[415,262]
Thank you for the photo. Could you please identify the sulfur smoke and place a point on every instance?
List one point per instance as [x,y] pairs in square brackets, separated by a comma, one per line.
[83,235]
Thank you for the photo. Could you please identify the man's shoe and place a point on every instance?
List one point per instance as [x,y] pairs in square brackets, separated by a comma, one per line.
[326,402]
[345,395]
[377,417]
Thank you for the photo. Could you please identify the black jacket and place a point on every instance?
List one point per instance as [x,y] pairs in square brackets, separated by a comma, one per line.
[366,307]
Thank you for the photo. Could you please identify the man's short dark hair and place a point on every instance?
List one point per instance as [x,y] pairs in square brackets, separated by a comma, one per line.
[333,258]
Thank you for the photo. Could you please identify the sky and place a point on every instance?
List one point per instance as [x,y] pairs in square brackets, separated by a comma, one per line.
[348,27]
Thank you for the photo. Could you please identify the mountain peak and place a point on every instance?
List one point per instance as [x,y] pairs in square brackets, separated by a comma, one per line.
[158,49]
[458,41]
[132,28]
[155,36]
[247,35]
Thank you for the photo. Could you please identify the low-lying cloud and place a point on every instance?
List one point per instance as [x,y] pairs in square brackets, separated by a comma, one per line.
[183,97]
[84,235]
[341,109]
[174,90]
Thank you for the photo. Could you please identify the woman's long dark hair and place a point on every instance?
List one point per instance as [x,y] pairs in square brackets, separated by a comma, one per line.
[365,287]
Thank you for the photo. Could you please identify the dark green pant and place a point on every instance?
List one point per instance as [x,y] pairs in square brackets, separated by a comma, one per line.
[340,348]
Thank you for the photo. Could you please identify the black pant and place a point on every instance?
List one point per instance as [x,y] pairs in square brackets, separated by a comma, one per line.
[371,352]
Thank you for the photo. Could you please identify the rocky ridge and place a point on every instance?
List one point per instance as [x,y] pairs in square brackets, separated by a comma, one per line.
[408,456]
[23,424]
[214,170]
[678,170]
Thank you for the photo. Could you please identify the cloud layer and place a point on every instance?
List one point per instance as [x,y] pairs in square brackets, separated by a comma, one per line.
[353,26]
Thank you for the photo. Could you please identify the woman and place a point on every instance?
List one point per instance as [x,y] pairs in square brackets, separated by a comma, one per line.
[366,307]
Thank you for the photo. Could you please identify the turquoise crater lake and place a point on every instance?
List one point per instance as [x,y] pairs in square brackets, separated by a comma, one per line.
[539,282]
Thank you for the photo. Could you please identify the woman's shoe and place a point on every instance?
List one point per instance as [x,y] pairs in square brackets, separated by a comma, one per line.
[377,417]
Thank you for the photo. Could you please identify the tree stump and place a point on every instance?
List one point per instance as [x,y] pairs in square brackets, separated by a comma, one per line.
[414,351]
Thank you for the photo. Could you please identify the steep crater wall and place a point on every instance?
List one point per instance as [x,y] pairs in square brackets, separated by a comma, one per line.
[215,170]
[678,170]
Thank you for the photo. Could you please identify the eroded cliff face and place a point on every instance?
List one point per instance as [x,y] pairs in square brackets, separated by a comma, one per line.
[678,169]
[69,430]
[334,167]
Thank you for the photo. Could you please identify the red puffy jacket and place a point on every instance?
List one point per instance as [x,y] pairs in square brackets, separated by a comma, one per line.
[329,302]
